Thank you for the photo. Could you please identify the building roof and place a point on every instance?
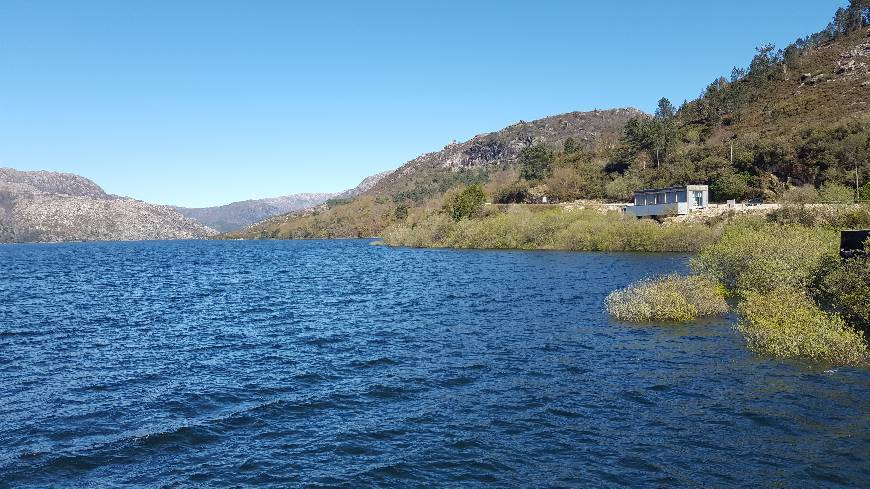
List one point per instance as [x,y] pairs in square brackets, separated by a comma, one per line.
[671,189]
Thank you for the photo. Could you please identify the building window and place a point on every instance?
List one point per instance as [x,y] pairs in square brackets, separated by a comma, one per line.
[698,197]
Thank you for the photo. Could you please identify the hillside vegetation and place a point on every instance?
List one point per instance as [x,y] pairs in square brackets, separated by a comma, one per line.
[794,125]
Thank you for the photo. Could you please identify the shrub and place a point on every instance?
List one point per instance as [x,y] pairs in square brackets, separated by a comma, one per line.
[832,192]
[668,298]
[786,324]
[806,194]
[612,232]
[846,288]
[570,183]
[535,162]
[758,257]
[466,203]
[729,185]
[837,216]
[578,230]
[512,193]
[622,187]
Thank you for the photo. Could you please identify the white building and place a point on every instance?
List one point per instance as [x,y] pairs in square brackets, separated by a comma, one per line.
[669,201]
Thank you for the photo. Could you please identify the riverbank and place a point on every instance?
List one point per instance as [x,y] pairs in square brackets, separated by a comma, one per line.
[795,298]
[552,228]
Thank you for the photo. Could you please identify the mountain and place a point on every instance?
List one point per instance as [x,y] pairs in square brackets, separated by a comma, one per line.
[364,186]
[238,215]
[435,172]
[41,206]
[477,160]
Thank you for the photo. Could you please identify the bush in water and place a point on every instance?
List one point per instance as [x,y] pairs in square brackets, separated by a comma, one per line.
[668,298]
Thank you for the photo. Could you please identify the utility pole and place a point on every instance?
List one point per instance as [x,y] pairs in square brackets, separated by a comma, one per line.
[857,185]
[732,154]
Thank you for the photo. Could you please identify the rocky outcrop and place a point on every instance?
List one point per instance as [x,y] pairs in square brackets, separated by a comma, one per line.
[55,207]
[365,185]
[855,62]
[238,215]
[590,130]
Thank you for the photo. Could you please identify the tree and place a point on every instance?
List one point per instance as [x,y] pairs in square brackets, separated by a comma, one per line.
[535,162]
[665,110]
[512,193]
[841,21]
[857,15]
[585,181]
[790,57]
[570,146]
[729,185]
[764,63]
[467,203]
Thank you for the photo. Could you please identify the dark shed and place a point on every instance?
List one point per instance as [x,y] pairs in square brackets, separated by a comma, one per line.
[852,242]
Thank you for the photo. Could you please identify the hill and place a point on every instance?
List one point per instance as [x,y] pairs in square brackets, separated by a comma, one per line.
[794,125]
[52,207]
[484,158]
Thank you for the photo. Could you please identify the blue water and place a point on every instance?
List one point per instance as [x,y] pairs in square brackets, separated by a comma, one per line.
[337,363]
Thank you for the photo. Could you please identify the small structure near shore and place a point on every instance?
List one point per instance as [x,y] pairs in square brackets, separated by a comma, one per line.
[669,201]
[852,243]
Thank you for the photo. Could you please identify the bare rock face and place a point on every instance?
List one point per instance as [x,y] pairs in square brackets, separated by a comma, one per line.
[53,182]
[55,207]
[855,61]
[367,183]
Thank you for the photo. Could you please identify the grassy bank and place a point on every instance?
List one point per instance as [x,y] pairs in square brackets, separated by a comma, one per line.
[795,297]
[550,229]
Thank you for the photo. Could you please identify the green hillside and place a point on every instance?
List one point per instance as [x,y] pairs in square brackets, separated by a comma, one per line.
[793,124]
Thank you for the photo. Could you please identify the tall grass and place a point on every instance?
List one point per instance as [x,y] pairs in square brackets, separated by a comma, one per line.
[669,298]
[757,257]
[774,269]
[558,229]
[787,324]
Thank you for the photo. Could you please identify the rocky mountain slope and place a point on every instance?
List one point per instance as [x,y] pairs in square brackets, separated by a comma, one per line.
[486,152]
[238,215]
[53,207]
[364,186]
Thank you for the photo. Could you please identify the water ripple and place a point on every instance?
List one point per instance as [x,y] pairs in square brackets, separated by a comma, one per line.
[339,364]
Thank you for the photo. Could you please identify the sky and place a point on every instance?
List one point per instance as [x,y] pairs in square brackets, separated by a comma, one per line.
[200,103]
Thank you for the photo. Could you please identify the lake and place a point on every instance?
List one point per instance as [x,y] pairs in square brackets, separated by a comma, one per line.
[338,363]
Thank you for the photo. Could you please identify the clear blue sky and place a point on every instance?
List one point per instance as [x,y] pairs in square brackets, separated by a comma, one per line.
[203,103]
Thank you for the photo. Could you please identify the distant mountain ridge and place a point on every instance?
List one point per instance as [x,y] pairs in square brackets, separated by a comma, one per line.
[42,206]
[238,215]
